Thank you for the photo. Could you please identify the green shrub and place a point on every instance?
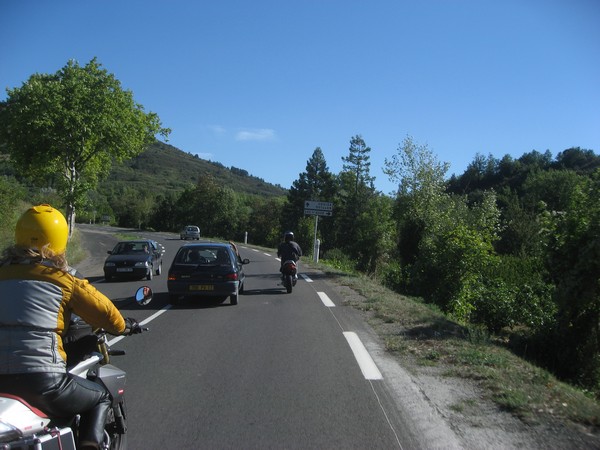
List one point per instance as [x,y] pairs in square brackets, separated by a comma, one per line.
[495,305]
[513,292]
[339,260]
[11,207]
[392,275]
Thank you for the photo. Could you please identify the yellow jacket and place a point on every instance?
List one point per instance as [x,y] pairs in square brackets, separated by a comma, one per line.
[36,302]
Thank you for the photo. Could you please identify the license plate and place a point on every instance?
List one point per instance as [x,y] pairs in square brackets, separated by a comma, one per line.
[124,269]
[202,287]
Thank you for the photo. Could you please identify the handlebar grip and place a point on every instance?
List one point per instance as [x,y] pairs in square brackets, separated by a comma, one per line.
[116,352]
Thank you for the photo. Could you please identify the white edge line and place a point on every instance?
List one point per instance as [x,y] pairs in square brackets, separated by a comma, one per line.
[307,278]
[326,300]
[365,362]
[143,322]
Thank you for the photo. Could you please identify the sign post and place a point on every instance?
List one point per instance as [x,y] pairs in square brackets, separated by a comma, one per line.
[313,208]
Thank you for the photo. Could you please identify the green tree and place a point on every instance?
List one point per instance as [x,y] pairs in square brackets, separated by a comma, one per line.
[579,160]
[355,194]
[316,183]
[574,263]
[357,164]
[132,207]
[455,253]
[165,215]
[67,128]
[451,257]
[264,224]
[11,195]
[522,231]
[420,196]
[375,234]
[211,206]
[552,187]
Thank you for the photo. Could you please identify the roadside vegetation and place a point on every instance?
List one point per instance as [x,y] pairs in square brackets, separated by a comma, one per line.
[422,335]
[507,253]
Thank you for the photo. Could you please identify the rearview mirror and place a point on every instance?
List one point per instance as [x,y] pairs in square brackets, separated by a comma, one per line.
[143,296]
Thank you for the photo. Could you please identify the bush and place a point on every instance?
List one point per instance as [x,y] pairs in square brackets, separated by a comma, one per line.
[11,208]
[495,306]
[339,260]
[536,308]
[392,275]
[514,293]
[450,269]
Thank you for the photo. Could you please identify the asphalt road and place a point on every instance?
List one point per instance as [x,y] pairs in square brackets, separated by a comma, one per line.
[275,371]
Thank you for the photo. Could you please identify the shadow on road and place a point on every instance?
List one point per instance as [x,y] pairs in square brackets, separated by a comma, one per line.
[269,291]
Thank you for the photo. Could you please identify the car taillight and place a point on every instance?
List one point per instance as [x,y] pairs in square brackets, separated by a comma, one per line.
[172,277]
[231,277]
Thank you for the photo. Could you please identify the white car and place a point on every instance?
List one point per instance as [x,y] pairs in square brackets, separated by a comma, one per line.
[190,232]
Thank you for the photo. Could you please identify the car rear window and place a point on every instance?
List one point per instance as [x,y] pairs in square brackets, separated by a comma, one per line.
[204,255]
[128,248]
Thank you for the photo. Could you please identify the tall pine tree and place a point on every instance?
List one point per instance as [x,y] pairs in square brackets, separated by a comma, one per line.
[356,193]
[315,183]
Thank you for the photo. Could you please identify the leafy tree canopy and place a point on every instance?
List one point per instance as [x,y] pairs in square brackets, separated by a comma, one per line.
[70,126]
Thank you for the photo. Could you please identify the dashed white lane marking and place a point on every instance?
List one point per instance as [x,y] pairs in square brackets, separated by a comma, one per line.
[307,278]
[143,322]
[266,254]
[325,299]
[365,362]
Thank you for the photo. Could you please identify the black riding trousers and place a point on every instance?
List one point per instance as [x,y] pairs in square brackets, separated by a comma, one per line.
[62,396]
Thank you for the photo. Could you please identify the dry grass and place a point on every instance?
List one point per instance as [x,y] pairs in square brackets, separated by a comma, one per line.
[411,329]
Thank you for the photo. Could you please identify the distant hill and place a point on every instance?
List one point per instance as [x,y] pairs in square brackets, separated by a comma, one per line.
[167,168]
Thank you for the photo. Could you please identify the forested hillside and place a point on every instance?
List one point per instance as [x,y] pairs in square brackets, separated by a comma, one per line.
[162,174]
[166,169]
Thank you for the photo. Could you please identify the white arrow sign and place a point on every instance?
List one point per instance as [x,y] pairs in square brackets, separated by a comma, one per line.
[317,212]
[322,206]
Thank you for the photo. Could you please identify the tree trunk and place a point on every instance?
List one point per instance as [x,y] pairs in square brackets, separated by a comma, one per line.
[73,178]
[71,218]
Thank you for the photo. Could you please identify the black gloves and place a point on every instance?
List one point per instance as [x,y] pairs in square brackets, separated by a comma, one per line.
[131,327]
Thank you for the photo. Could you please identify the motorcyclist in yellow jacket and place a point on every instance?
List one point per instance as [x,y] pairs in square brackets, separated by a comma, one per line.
[38,294]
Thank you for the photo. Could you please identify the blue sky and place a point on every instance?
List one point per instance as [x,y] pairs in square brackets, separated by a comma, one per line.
[260,84]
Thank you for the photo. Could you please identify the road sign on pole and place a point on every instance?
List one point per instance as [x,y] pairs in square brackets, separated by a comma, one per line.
[317,212]
[321,206]
[312,208]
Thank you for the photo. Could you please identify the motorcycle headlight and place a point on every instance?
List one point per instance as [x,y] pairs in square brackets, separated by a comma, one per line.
[8,432]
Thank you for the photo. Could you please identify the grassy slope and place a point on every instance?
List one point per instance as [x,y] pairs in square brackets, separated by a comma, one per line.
[414,331]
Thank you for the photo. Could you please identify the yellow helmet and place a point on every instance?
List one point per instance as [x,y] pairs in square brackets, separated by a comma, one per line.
[41,225]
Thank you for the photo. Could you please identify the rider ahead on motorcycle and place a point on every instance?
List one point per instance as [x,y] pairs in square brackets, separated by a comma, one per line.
[289,249]
[38,294]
